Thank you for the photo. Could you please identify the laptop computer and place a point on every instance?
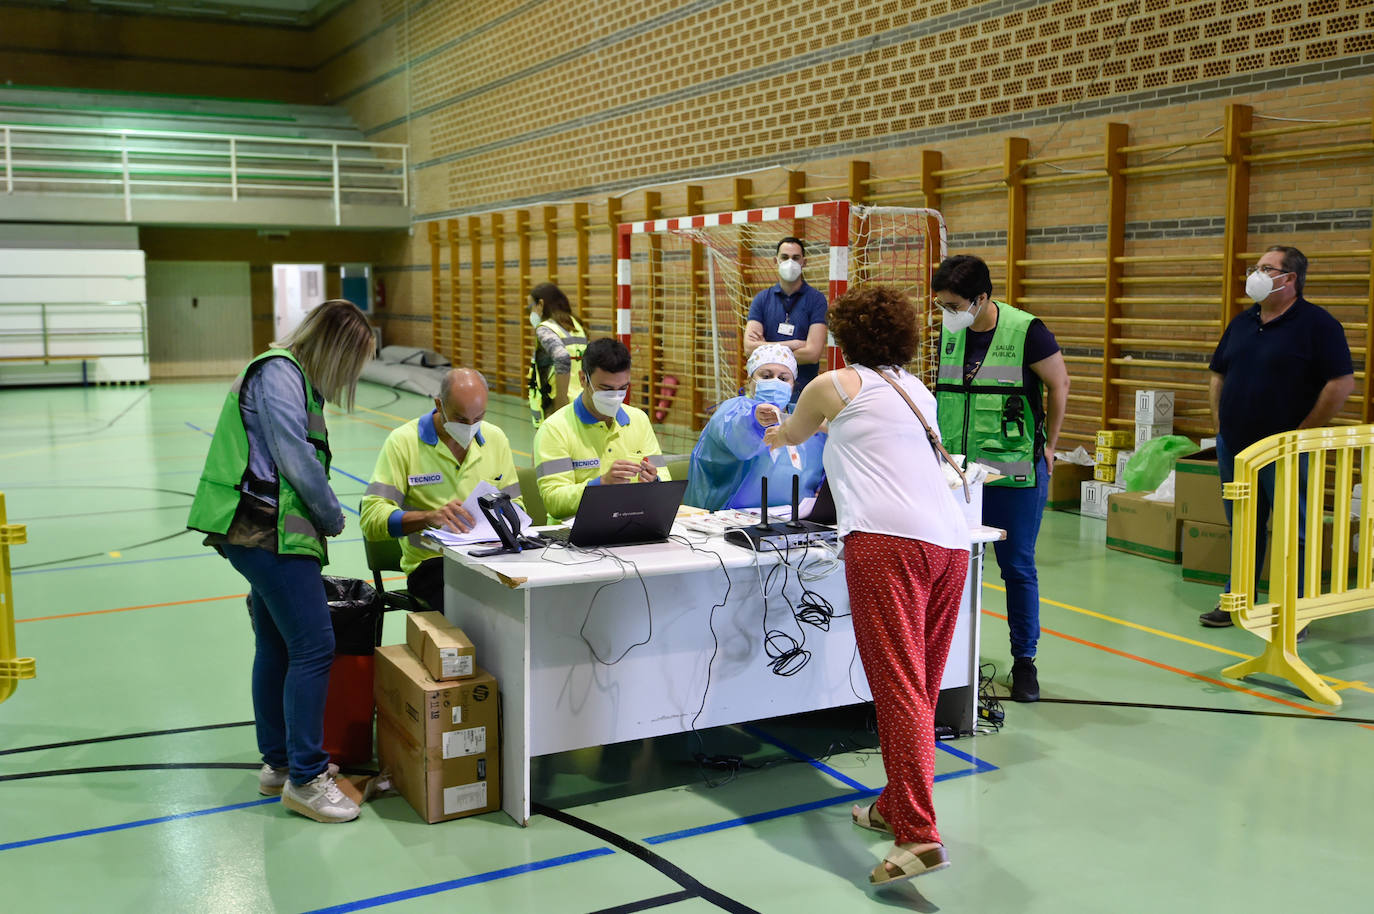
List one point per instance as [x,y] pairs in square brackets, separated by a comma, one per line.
[623,515]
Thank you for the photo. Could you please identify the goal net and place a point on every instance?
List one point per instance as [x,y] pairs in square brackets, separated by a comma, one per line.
[684,287]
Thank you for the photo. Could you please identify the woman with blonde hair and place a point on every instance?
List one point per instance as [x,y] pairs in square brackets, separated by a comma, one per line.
[906,552]
[264,501]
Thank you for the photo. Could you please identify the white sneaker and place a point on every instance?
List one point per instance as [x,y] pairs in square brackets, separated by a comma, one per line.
[321,800]
[272,780]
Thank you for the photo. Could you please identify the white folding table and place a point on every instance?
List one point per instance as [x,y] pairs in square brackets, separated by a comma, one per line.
[646,613]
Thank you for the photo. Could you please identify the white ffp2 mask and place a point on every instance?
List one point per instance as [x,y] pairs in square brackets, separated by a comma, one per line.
[789,270]
[607,402]
[958,321]
[1259,285]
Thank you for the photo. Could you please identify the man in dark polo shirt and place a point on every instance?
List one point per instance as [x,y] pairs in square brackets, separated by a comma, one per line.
[791,313]
[1281,365]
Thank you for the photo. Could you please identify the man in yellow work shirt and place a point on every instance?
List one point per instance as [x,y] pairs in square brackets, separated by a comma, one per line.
[427,469]
[596,439]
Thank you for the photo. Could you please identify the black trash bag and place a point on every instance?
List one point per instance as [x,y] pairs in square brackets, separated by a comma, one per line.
[355,608]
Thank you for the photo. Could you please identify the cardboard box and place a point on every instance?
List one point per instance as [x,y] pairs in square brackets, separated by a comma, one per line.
[1114,438]
[1104,473]
[440,646]
[1154,407]
[1206,552]
[1106,456]
[439,741]
[1093,498]
[1197,489]
[1145,433]
[1123,458]
[1066,486]
[1141,527]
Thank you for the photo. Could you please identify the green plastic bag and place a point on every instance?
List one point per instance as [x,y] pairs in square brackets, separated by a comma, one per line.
[1153,461]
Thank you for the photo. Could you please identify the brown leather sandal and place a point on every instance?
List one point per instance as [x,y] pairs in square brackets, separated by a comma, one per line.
[908,865]
[868,817]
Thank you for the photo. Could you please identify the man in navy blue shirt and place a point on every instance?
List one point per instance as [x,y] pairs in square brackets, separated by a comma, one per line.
[1281,365]
[791,313]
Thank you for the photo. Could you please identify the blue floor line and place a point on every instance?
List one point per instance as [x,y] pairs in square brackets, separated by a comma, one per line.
[979,765]
[760,817]
[797,753]
[504,873]
[123,826]
[791,810]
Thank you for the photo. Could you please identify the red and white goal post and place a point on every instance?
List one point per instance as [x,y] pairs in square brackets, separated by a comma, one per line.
[684,285]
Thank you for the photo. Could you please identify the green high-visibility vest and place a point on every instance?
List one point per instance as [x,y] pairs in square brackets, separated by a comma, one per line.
[222,482]
[989,417]
[541,379]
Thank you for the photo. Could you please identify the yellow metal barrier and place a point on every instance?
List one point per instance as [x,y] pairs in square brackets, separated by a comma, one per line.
[1280,620]
[12,668]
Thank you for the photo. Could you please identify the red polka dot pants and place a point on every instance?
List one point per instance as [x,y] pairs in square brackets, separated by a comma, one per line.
[904,595]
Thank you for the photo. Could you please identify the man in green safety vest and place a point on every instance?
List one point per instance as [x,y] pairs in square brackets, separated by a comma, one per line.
[993,360]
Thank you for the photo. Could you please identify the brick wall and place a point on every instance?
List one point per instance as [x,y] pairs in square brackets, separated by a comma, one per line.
[510,106]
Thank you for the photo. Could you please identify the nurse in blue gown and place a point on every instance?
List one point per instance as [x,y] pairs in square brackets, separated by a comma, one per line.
[730,457]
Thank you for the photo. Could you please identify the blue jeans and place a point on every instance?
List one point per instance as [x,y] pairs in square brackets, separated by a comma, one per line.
[1264,504]
[1018,511]
[295,649]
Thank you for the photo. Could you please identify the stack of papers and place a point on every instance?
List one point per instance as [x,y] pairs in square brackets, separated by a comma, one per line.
[719,522]
[482,532]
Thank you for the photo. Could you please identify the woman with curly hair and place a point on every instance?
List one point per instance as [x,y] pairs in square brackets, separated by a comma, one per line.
[906,552]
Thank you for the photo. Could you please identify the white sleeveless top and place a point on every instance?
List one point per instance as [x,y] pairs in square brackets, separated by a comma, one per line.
[883,473]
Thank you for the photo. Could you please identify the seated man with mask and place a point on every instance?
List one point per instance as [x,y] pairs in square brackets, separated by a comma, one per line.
[427,469]
[596,439]
[730,457]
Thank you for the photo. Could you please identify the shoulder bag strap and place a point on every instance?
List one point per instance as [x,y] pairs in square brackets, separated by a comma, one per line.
[933,438]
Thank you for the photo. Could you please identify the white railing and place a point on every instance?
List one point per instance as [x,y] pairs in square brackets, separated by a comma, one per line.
[163,163]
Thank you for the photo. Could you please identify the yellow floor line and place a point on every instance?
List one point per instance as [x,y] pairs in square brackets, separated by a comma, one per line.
[1335,683]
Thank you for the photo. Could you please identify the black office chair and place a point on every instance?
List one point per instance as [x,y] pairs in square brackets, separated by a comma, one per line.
[385,555]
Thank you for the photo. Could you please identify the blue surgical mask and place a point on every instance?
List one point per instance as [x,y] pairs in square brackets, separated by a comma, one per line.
[773,390]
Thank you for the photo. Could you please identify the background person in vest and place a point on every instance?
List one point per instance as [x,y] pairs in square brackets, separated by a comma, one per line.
[596,439]
[730,458]
[264,499]
[1281,365]
[427,469]
[791,313]
[906,554]
[993,360]
[556,368]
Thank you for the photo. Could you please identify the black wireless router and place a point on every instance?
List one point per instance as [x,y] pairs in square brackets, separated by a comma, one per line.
[765,536]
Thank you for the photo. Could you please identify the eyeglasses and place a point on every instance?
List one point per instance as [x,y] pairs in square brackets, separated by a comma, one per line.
[948,307]
[1266,269]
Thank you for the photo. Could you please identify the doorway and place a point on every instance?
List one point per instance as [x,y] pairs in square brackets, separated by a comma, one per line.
[296,289]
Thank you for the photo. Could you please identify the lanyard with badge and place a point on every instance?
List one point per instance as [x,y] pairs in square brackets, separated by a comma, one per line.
[785,326]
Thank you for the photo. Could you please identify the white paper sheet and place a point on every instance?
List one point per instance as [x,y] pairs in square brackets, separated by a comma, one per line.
[482,532]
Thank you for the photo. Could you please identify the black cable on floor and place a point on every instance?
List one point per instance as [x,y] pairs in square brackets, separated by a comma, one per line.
[640,852]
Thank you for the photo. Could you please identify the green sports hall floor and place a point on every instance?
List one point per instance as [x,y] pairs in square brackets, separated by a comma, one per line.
[1143,783]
